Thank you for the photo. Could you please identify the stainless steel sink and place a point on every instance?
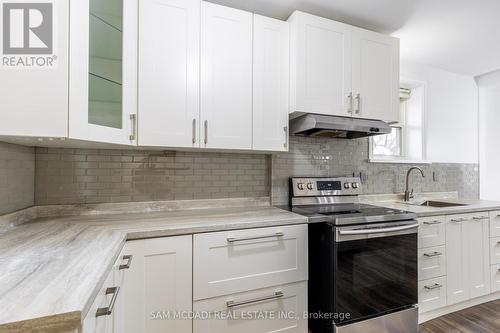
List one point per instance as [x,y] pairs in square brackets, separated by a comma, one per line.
[440,204]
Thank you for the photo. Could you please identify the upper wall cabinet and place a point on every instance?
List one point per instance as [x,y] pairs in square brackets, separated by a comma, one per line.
[320,65]
[103,70]
[271,75]
[34,96]
[169,73]
[226,77]
[375,75]
[337,69]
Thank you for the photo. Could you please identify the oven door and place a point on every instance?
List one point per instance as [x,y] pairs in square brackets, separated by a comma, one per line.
[375,270]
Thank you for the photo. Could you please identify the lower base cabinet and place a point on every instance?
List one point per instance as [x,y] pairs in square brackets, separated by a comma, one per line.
[95,322]
[158,285]
[275,309]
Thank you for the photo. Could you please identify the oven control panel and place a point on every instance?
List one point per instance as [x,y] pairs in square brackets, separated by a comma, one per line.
[319,186]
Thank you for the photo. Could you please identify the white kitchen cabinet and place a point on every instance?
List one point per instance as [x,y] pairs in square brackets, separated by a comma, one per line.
[431,262]
[97,320]
[431,294]
[495,224]
[495,278]
[271,78]
[226,77]
[338,69]
[159,282]
[375,75]
[467,250]
[169,73]
[320,65]
[103,71]
[34,102]
[276,301]
[431,231]
[234,261]
[478,255]
[494,251]
[457,250]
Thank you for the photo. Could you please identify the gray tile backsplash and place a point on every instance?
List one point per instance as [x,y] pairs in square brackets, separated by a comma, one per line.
[338,157]
[66,176]
[17,174]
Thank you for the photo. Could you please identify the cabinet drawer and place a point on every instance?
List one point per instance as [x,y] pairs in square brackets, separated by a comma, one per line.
[495,278]
[495,224]
[288,299]
[234,261]
[431,231]
[431,262]
[495,251]
[431,294]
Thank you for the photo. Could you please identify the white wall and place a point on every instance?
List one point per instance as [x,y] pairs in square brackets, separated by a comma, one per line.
[451,113]
[489,138]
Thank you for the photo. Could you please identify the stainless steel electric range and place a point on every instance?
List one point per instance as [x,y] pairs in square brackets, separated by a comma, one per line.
[362,259]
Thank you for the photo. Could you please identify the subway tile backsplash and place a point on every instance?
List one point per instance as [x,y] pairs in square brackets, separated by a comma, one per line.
[78,176]
[338,157]
[67,176]
[17,174]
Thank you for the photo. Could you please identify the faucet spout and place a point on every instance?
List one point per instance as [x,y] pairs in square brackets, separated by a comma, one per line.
[408,194]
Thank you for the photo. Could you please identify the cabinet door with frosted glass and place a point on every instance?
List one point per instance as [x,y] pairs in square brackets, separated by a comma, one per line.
[103,71]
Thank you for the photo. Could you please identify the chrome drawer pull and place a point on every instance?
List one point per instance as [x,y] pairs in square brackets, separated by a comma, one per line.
[458,220]
[480,217]
[277,294]
[109,309]
[234,239]
[433,254]
[432,222]
[127,257]
[433,286]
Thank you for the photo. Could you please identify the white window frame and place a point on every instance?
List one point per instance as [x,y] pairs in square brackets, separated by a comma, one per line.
[403,158]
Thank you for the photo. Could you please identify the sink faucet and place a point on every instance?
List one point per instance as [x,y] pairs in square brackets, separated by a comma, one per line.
[408,194]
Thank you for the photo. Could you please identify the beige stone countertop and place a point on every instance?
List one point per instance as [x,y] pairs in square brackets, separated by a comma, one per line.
[52,267]
[397,202]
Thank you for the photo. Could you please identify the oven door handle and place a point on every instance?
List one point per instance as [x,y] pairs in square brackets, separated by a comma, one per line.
[377,231]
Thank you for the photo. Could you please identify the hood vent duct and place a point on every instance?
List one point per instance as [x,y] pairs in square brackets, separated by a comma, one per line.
[317,125]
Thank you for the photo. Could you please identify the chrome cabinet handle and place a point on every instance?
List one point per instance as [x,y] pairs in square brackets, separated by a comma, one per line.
[194,130]
[133,129]
[477,218]
[239,239]
[377,231]
[285,129]
[109,309]
[358,104]
[433,286]
[432,222]
[206,131]
[127,257]
[458,220]
[433,254]
[350,107]
[277,294]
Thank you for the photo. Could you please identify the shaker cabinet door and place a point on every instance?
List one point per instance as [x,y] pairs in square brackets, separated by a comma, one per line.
[158,283]
[169,69]
[320,65]
[375,75]
[271,77]
[226,77]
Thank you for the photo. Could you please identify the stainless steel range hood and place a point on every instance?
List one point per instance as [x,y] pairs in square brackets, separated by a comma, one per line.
[318,125]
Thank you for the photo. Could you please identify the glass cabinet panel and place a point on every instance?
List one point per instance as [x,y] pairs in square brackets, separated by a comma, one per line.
[105,67]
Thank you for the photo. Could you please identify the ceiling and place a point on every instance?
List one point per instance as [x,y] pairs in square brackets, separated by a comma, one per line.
[461,36]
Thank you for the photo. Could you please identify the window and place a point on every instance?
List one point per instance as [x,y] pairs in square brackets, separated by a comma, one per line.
[406,141]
